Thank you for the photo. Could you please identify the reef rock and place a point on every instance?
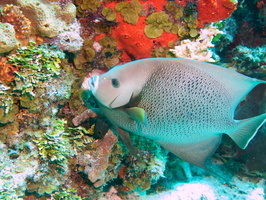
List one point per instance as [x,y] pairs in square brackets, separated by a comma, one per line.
[13,15]
[47,19]
[8,39]
[96,161]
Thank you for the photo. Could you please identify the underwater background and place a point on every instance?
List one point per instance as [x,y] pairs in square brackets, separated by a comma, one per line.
[53,145]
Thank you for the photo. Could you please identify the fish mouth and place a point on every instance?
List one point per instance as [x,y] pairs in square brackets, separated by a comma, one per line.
[93,83]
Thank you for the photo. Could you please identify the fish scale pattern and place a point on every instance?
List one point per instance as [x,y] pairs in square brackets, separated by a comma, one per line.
[183,99]
[188,105]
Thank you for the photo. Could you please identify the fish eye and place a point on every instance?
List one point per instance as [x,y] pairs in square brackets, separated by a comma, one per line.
[115,83]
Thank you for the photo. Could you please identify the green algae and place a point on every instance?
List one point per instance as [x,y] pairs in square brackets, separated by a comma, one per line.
[79,136]
[66,194]
[110,53]
[129,11]
[91,5]
[185,22]
[54,146]
[157,23]
[37,63]
[162,51]
[109,14]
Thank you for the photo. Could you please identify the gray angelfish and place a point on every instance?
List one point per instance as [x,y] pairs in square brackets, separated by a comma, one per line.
[184,105]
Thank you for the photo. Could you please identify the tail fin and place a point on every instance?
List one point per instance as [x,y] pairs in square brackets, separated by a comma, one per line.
[246,130]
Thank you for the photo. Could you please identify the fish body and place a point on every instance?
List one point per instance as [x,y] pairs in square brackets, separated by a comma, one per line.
[182,104]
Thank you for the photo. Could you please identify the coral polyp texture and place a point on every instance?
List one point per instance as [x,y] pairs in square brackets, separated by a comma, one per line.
[7,71]
[54,141]
[13,15]
[38,17]
[8,39]
[215,10]
[142,26]
[198,49]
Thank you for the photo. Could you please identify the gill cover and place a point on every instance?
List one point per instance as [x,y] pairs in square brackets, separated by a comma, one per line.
[121,100]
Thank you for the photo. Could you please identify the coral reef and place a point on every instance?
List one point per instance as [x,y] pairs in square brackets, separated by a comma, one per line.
[53,146]
[222,41]
[50,147]
[131,37]
[66,194]
[13,15]
[141,28]
[129,11]
[198,49]
[16,167]
[102,53]
[99,163]
[70,39]
[38,20]
[139,174]
[36,64]
[7,70]
[48,19]
[87,5]
[157,23]
[8,39]
[7,109]
[43,79]
[250,61]
[215,10]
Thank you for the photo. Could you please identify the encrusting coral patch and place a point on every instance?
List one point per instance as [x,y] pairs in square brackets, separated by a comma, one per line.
[8,39]
[13,15]
[198,49]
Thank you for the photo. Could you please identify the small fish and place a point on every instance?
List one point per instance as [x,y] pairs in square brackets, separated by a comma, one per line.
[100,129]
[184,105]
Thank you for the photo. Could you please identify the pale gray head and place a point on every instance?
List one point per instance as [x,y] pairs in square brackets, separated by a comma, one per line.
[119,85]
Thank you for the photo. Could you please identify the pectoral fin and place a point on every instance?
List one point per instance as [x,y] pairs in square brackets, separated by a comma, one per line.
[196,153]
[137,114]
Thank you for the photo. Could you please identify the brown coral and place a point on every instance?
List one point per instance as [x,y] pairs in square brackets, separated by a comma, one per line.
[96,161]
[12,14]
[6,70]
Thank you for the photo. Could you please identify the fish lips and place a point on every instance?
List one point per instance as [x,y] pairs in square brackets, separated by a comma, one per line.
[93,83]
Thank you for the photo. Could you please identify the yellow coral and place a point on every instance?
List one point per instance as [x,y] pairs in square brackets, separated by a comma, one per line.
[12,14]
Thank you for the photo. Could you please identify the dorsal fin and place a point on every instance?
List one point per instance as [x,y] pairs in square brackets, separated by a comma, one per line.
[236,84]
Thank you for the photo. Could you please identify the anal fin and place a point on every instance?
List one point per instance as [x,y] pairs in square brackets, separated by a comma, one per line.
[195,153]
